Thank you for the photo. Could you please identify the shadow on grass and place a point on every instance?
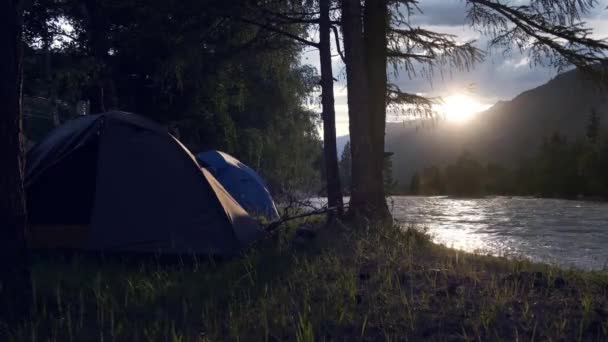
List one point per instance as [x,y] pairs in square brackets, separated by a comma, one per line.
[337,283]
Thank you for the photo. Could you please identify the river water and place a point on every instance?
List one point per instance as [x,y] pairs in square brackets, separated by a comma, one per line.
[563,232]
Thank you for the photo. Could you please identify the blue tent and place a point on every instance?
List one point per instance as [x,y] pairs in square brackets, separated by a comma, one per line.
[244,184]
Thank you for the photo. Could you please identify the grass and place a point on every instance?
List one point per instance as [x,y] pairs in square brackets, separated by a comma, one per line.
[344,283]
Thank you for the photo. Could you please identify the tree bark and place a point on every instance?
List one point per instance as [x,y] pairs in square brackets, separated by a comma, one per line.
[334,189]
[15,290]
[98,50]
[52,93]
[362,201]
[375,22]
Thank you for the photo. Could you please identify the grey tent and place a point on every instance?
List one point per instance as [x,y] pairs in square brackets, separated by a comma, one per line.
[119,182]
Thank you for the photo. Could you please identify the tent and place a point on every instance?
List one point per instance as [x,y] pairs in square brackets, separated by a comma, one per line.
[119,182]
[244,184]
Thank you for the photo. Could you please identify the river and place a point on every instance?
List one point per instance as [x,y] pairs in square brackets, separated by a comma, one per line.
[562,232]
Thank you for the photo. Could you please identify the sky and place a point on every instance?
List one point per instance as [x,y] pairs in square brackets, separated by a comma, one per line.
[499,77]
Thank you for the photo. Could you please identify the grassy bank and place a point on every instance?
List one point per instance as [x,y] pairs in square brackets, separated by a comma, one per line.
[340,283]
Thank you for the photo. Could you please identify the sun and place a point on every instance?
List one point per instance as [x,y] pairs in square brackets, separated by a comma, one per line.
[460,108]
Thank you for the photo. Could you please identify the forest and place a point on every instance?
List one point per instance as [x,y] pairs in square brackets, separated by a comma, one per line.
[559,168]
[242,90]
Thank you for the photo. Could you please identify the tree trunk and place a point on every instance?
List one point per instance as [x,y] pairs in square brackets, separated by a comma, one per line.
[52,94]
[362,202]
[15,290]
[375,22]
[97,49]
[334,190]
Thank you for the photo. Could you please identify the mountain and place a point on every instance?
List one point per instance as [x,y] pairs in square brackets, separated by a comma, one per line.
[340,143]
[505,133]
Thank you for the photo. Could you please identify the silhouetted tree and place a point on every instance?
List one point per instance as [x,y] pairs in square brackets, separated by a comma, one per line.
[311,15]
[377,33]
[334,189]
[390,184]
[15,293]
[414,188]
[464,177]
[222,83]
[432,181]
[345,167]
[498,180]
[593,127]
[367,191]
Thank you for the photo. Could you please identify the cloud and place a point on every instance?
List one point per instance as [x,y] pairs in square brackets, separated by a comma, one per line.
[440,13]
[499,77]
[454,12]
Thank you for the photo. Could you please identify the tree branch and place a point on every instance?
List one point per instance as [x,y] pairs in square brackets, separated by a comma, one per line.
[411,105]
[337,37]
[281,32]
[550,30]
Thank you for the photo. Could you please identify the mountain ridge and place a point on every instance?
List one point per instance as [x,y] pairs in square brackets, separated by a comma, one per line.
[506,132]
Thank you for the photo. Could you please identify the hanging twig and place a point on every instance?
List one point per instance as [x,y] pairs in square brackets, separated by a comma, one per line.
[274,226]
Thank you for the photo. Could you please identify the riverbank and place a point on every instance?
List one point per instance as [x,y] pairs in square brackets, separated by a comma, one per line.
[336,283]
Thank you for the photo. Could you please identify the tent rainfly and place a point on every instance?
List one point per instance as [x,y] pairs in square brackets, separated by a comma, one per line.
[244,184]
[119,182]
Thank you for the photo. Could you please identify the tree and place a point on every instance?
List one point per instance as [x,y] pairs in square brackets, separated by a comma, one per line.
[414,188]
[101,90]
[221,83]
[366,186]
[389,183]
[345,167]
[602,169]
[498,180]
[375,36]
[334,189]
[464,177]
[432,181]
[593,127]
[375,43]
[550,31]
[15,292]
[558,170]
[268,17]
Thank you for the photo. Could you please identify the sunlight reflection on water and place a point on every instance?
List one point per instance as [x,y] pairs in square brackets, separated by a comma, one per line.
[568,233]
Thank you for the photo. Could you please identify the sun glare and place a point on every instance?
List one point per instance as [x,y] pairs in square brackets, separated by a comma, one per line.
[460,108]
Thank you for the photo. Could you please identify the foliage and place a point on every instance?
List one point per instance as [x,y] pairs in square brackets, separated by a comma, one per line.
[463,177]
[559,168]
[430,181]
[390,184]
[414,186]
[593,127]
[216,82]
[345,167]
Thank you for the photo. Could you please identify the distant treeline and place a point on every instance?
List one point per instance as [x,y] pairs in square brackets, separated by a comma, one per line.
[559,168]
[391,186]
